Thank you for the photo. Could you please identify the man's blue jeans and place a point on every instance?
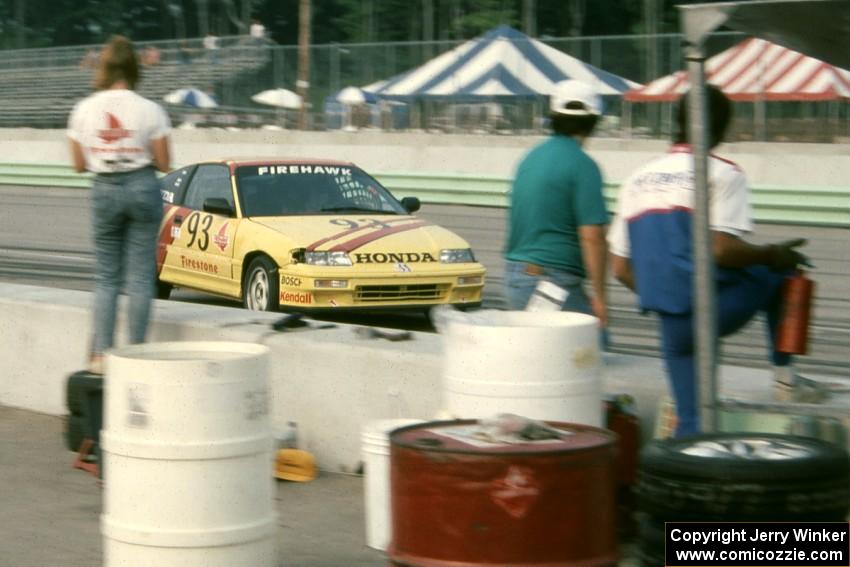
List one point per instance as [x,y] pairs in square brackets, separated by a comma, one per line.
[127,210]
[736,304]
[519,286]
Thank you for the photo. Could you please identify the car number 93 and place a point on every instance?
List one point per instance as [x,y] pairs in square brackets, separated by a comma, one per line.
[199,226]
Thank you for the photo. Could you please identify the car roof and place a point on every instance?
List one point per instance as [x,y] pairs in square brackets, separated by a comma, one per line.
[238,162]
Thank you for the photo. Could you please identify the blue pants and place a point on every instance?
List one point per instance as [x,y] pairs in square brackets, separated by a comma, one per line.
[737,303]
[127,211]
[519,286]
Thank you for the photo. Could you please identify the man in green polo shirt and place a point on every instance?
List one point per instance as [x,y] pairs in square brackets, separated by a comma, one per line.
[557,217]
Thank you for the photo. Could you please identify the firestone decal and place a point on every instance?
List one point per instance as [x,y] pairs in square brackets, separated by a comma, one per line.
[193,264]
[392,257]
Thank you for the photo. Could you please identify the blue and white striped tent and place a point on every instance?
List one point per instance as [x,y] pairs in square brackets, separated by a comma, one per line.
[501,63]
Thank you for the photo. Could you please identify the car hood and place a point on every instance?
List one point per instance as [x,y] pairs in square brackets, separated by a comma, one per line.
[362,234]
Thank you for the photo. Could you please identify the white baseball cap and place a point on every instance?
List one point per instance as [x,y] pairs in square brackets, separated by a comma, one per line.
[575,98]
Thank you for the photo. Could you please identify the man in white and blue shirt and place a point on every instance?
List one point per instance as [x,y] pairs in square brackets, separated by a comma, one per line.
[650,245]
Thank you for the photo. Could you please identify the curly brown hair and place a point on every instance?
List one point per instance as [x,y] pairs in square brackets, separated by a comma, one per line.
[117,62]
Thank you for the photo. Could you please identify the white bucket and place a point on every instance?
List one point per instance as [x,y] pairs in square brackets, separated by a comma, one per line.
[187,452]
[541,365]
[376,468]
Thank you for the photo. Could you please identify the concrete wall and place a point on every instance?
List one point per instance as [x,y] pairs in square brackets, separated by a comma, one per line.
[765,164]
[328,380]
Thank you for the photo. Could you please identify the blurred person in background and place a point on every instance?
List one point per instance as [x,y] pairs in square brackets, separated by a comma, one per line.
[122,138]
[650,242]
[211,47]
[258,32]
[557,216]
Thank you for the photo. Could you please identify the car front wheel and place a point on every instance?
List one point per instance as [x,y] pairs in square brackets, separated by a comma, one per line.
[261,288]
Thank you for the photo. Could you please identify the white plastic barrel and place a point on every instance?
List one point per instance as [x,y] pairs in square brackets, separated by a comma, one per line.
[542,365]
[375,440]
[187,452]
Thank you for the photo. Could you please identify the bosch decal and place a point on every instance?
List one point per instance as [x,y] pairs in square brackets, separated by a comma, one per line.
[290,281]
[392,257]
[302,298]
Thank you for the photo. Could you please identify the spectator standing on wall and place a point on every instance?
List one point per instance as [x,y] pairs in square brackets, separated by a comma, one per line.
[650,241]
[122,138]
[258,32]
[557,212]
[211,47]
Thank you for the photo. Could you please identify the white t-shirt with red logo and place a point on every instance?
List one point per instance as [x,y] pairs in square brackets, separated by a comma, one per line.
[115,128]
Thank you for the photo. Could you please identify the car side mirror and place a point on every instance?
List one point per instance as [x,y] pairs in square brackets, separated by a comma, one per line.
[218,206]
[411,204]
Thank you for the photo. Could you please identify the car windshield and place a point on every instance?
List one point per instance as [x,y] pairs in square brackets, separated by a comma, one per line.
[310,189]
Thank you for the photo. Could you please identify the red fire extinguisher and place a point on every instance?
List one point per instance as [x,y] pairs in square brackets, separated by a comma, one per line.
[793,333]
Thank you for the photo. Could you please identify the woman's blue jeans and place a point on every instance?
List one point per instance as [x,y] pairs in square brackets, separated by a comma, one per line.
[127,210]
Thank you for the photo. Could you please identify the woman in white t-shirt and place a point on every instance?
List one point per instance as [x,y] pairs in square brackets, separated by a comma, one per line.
[122,138]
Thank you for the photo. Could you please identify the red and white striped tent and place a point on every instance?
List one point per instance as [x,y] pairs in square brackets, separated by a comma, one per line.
[756,70]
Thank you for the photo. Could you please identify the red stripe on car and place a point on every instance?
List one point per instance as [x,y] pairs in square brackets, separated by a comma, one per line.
[346,232]
[367,238]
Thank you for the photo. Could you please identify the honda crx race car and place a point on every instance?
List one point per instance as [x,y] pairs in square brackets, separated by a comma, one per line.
[306,235]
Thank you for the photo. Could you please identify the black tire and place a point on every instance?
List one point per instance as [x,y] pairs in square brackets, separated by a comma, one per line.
[261,286]
[77,388]
[743,456]
[75,432]
[744,477]
[163,290]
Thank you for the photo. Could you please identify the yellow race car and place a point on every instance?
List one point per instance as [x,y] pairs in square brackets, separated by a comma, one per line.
[306,235]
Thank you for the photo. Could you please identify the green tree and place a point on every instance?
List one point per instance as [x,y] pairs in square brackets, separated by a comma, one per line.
[480,16]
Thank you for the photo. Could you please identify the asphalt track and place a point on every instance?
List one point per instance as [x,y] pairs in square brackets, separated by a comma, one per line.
[45,239]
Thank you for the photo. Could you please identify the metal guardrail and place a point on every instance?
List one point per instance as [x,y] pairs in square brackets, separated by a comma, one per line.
[826,206]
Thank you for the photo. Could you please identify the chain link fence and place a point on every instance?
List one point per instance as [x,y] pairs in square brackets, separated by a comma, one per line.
[38,87]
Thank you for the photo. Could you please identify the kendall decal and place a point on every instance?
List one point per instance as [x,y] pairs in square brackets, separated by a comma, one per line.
[392,257]
[290,297]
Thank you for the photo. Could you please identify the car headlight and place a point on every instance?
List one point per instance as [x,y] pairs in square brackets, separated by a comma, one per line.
[326,258]
[456,255]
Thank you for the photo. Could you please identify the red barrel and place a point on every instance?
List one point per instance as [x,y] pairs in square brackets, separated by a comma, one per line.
[458,501]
